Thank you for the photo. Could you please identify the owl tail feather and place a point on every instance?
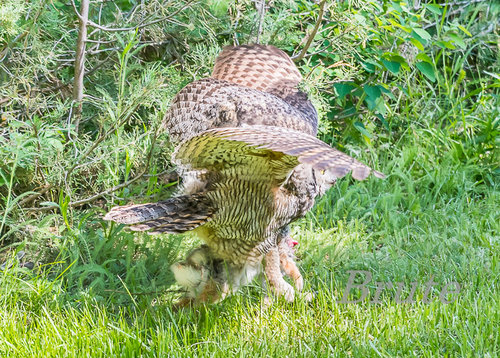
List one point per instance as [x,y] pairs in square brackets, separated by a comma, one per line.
[175,215]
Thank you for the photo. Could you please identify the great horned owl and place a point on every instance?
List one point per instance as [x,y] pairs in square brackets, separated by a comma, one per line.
[246,148]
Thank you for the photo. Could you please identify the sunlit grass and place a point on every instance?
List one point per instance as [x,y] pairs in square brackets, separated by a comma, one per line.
[419,223]
[100,291]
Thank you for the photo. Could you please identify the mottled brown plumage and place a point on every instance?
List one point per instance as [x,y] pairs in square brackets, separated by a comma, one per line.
[178,214]
[278,149]
[246,148]
[267,69]
[212,103]
[256,66]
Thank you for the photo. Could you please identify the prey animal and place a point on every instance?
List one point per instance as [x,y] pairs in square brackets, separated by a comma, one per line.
[209,279]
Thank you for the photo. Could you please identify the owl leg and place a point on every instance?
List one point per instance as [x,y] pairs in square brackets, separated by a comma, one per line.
[288,264]
[274,276]
[289,267]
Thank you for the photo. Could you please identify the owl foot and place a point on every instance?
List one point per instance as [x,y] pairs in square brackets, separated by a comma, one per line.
[286,290]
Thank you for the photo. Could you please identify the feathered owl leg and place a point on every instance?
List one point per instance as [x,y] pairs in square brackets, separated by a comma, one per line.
[289,267]
[274,277]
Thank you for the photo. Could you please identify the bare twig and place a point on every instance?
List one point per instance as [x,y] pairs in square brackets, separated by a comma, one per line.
[98,141]
[32,197]
[80,61]
[261,9]
[123,185]
[99,65]
[314,31]
[235,27]
[4,51]
[140,26]
[170,175]
[98,195]
[110,190]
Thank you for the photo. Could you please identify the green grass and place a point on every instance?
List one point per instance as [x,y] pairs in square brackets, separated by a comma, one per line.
[100,291]
[429,218]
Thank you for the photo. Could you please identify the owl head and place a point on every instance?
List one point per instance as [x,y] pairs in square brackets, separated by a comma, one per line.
[325,179]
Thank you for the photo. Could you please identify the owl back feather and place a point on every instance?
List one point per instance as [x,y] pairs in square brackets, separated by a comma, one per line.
[212,103]
[267,69]
[256,66]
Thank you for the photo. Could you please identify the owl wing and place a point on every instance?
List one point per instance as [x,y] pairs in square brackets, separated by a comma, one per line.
[175,215]
[256,66]
[272,152]
[212,103]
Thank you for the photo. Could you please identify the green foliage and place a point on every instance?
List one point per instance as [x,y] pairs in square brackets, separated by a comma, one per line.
[387,42]
[10,13]
[410,89]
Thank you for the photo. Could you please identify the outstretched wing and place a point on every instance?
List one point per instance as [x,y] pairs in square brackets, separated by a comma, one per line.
[174,215]
[265,151]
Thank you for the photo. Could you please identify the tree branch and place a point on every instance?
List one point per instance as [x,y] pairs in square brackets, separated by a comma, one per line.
[313,33]
[99,140]
[80,61]
[32,197]
[110,190]
[261,9]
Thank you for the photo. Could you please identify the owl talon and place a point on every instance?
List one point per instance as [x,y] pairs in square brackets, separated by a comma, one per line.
[299,283]
[307,296]
[281,289]
[287,291]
